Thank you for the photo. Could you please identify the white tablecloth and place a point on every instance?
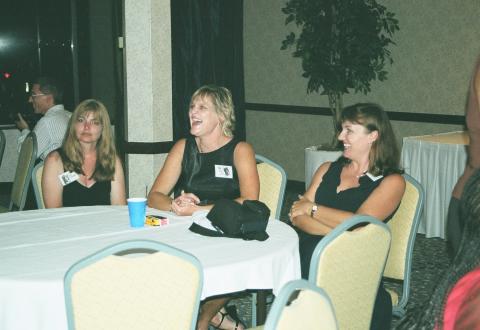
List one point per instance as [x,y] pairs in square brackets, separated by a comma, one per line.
[37,247]
[436,161]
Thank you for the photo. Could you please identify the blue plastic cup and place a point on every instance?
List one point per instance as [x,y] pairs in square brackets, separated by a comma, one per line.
[136,210]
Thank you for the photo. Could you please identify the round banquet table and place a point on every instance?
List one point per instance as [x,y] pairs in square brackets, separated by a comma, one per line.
[38,246]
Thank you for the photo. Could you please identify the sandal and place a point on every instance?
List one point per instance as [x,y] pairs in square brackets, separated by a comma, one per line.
[229,313]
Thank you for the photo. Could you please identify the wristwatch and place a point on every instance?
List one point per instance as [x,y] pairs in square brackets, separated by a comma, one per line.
[314,209]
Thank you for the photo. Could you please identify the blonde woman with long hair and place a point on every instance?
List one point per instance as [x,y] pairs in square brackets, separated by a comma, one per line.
[86,169]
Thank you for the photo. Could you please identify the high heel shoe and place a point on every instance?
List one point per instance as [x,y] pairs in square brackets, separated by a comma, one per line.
[229,313]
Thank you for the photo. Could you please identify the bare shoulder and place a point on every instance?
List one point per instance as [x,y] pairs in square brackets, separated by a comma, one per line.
[53,158]
[243,148]
[53,164]
[322,169]
[317,179]
[179,146]
[394,181]
[325,166]
[118,161]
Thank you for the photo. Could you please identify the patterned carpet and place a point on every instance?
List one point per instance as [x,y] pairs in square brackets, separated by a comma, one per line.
[430,260]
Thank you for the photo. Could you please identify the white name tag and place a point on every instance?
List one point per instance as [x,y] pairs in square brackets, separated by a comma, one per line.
[67,178]
[223,171]
[374,178]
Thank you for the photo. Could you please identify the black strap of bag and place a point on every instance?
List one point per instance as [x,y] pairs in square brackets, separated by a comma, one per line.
[205,231]
[231,219]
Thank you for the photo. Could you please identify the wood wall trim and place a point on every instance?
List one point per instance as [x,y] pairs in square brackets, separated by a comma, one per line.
[147,148]
[392,115]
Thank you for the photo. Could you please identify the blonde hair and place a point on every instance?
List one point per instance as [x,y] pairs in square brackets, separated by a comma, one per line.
[222,100]
[72,154]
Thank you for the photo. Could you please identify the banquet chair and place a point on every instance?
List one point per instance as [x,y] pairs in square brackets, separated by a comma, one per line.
[301,305]
[348,264]
[3,140]
[273,181]
[404,226]
[23,172]
[37,184]
[136,284]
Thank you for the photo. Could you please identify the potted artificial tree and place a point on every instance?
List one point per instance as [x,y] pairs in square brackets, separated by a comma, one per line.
[343,45]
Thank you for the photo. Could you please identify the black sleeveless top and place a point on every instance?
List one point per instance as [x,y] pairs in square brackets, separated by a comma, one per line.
[347,200]
[76,194]
[211,175]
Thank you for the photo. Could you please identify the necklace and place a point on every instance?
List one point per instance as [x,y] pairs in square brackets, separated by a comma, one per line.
[359,176]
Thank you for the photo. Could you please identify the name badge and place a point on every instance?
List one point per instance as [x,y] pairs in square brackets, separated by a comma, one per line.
[223,171]
[68,177]
[374,178]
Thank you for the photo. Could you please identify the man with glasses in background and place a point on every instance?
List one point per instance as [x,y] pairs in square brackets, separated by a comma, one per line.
[46,97]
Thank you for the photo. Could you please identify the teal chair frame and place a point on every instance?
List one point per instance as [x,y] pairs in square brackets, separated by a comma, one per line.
[284,297]
[124,248]
[399,309]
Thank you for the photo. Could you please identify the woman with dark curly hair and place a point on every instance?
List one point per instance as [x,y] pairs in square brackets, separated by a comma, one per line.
[455,303]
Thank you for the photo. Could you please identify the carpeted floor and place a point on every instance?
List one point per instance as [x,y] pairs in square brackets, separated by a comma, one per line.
[430,260]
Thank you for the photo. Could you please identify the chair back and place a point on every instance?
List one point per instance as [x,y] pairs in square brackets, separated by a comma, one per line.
[404,226]
[273,181]
[123,287]
[3,140]
[37,184]
[301,305]
[349,265]
[23,172]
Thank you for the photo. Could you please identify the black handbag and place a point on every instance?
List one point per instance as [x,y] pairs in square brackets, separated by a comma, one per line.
[231,219]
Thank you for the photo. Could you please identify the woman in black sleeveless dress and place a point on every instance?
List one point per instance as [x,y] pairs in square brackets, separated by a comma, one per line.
[86,169]
[366,179]
[207,166]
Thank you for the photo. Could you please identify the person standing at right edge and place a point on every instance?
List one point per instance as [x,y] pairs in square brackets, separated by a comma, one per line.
[455,224]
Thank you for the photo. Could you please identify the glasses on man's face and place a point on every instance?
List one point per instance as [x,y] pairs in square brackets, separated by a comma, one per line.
[36,95]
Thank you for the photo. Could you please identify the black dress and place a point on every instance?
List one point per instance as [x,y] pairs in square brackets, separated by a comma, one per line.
[347,200]
[210,175]
[76,194]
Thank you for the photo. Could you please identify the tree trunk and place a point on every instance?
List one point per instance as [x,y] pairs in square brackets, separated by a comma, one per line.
[335,101]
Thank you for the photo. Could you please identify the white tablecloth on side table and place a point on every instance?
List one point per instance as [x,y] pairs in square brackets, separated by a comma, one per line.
[37,247]
[436,161]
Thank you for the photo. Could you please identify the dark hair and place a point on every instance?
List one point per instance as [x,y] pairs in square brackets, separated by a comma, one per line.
[384,155]
[50,85]
[466,259]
